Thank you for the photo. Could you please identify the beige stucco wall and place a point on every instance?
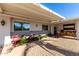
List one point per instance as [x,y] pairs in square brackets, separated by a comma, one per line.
[77,29]
[52,29]
[4,30]
[59,27]
[36,27]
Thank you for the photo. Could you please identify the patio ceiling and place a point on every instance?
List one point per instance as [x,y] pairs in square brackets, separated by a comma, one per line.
[29,11]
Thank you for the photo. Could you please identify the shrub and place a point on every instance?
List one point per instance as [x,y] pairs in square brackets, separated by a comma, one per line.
[40,36]
[31,38]
[35,38]
[44,36]
[23,40]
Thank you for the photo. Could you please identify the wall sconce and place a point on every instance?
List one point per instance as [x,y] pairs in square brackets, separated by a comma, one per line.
[36,25]
[2,22]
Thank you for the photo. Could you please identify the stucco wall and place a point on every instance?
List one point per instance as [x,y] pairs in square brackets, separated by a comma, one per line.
[4,30]
[36,27]
[52,29]
[59,27]
[77,29]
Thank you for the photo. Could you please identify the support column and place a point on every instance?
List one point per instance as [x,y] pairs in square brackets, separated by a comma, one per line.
[4,30]
[49,28]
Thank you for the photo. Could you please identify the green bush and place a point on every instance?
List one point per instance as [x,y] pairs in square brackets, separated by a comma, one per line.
[40,37]
[43,36]
[24,40]
[36,38]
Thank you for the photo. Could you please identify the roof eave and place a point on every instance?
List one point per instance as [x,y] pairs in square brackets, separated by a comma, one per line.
[42,6]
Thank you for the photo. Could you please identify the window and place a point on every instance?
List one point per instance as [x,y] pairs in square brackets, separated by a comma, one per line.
[21,26]
[69,26]
[17,26]
[45,27]
[26,26]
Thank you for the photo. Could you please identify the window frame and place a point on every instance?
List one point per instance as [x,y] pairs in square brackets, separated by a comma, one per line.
[26,23]
[21,25]
[44,28]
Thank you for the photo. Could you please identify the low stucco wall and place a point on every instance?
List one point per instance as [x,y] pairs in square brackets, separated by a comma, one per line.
[30,32]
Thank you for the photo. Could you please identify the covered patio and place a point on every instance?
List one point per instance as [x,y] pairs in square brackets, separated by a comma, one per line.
[24,19]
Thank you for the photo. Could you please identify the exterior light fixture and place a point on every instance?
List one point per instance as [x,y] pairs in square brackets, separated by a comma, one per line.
[2,22]
[36,25]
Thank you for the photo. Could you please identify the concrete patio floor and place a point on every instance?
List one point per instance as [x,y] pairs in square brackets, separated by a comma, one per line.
[49,47]
[54,47]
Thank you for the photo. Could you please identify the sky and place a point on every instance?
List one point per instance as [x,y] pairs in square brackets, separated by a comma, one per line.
[68,10]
